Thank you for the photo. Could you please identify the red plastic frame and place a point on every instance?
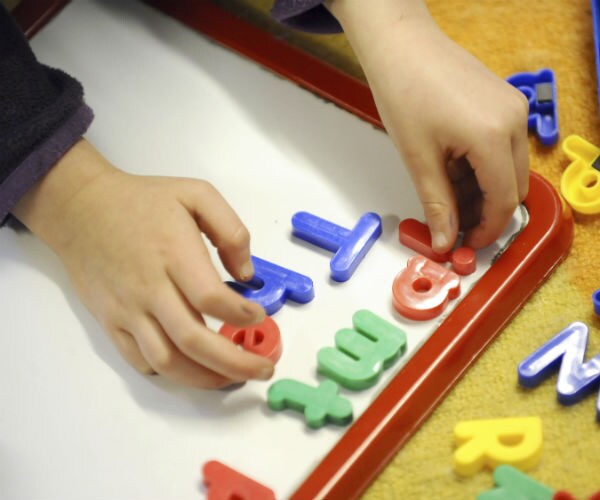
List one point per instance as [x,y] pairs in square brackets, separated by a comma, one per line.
[408,400]
[32,15]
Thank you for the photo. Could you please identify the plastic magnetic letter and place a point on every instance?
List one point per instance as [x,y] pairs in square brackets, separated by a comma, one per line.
[349,246]
[580,181]
[415,235]
[320,404]
[576,379]
[272,285]
[224,483]
[540,90]
[263,339]
[464,261]
[563,495]
[596,31]
[361,354]
[423,288]
[512,484]
[511,441]
[596,301]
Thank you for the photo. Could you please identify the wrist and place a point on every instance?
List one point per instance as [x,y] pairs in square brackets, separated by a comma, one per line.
[367,24]
[44,207]
[363,17]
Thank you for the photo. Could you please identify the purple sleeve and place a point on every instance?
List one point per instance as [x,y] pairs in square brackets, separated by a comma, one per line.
[41,159]
[305,15]
[42,114]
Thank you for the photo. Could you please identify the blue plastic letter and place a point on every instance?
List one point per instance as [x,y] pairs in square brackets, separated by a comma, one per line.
[350,246]
[596,29]
[540,90]
[567,349]
[272,285]
[596,301]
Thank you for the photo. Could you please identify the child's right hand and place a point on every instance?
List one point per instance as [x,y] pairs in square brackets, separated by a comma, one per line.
[460,129]
[134,250]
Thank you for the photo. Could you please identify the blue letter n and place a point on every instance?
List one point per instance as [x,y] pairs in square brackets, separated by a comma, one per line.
[566,350]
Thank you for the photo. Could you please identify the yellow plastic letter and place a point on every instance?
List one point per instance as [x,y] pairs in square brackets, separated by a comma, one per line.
[511,441]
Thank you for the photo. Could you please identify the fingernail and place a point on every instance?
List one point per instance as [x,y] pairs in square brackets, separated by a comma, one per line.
[252,311]
[247,271]
[233,386]
[439,241]
[265,374]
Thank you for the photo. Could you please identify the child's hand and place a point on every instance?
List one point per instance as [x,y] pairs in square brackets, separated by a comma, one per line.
[134,250]
[440,106]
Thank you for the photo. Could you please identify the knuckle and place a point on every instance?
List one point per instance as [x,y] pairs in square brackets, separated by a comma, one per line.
[514,113]
[493,130]
[520,102]
[508,205]
[203,185]
[517,109]
[153,296]
[163,361]
[436,211]
[110,320]
[209,299]
[188,342]
[238,238]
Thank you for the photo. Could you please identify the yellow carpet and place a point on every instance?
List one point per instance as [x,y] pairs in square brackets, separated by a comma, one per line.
[509,36]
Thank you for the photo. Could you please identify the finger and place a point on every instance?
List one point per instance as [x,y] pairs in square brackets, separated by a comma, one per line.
[194,274]
[196,341]
[129,349]
[520,140]
[466,191]
[166,360]
[520,150]
[497,180]
[223,227]
[470,214]
[437,198]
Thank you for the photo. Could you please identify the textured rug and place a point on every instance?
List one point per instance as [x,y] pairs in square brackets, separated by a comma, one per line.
[509,37]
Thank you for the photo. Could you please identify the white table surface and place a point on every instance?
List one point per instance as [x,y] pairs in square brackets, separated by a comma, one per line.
[76,421]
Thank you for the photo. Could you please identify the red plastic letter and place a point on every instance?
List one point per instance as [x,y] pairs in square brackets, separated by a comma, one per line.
[416,236]
[263,339]
[422,290]
[562,495]
[225,483]
[464,260]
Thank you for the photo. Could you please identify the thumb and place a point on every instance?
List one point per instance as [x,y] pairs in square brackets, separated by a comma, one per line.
[438,201]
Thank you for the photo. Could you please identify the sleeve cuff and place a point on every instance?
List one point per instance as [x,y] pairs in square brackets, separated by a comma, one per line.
[306,15]
[42,159]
